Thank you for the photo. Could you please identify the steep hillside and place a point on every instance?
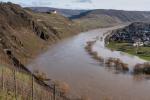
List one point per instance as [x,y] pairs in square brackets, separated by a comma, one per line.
[105,18]
[23,34]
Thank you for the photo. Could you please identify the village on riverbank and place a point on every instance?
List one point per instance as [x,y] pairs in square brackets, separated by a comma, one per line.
[137,37]
[133,39]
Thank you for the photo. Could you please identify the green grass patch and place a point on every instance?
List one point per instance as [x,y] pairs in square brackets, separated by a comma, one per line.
[19,75]
[143,52]
[8,95]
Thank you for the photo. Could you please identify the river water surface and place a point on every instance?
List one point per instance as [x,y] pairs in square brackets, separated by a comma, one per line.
[68,61]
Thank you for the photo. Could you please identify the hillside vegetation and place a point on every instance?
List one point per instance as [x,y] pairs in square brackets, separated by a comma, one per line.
[97,18]
[23,33]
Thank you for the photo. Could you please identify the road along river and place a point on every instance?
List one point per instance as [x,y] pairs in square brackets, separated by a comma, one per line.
[68,61]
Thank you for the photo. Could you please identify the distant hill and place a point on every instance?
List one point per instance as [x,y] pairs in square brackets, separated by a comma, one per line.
[64,12]
[90,19]
[104,18]
[124,16]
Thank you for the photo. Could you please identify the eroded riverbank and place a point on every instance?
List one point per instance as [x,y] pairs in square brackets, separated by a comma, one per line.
[67,61]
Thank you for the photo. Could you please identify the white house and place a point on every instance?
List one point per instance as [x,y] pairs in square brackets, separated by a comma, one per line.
[54,11]
[138,44]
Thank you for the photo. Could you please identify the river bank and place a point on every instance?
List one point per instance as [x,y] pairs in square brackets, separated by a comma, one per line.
[132,39]
[128,48]
[67,61]
[106,53]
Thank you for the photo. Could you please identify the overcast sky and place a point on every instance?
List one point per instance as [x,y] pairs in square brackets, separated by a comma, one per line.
[87,4]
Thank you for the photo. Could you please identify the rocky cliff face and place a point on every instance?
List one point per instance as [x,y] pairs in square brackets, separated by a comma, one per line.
[25,33]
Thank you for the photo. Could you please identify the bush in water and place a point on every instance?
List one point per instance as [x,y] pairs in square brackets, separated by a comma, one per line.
[142,68]
[117,64]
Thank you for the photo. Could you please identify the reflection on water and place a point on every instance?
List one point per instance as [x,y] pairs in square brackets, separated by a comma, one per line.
[141,77]
[67,61]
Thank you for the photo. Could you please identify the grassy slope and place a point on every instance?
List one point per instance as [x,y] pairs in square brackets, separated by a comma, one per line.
[9,95]
[18,34]
[4,95]
[62,26]
[97,22]
[128,48]
[24,84]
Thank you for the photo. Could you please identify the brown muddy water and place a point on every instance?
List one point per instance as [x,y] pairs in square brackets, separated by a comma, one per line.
[68,61]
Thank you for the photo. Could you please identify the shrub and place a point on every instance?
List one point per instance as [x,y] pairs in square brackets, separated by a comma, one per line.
[142,68]
[41,76]
[117,64]
[125,67]
[63,87]
[138,68]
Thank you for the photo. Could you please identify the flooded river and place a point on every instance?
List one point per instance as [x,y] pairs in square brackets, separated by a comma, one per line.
[104,52]
[68,61]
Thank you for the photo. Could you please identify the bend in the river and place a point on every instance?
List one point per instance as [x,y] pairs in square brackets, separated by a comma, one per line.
[67,61]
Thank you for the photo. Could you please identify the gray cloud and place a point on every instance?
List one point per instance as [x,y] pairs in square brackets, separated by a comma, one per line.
[41,3]
[84,1]
[88,4]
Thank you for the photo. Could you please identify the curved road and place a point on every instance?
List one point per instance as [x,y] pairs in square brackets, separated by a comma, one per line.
[68,61]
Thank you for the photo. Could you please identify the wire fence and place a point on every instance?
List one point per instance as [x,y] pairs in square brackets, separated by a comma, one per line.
[18,83]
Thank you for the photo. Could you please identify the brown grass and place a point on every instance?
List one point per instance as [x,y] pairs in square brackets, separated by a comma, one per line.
[63,87]
[41,75]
